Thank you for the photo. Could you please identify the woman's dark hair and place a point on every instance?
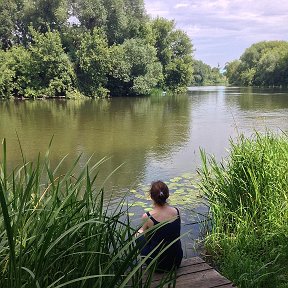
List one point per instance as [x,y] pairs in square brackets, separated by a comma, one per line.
[159,192]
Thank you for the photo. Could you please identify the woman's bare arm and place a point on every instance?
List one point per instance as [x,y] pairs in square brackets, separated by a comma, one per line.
[145,225]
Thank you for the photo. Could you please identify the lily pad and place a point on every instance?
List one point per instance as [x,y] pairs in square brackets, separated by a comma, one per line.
[187,175]
[139,204]
[176,179]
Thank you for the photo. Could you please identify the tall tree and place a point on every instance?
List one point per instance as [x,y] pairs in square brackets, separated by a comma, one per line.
[11,22]
[93,63]
[45,15]
[137,18]
[90,33]
[90,13]
[135,68]
[7,9]
[264,63]
[52,72]
[174,50]
[16,16]
[117,21]
[203,74]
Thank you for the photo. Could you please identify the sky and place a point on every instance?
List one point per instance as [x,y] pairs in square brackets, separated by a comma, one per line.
[221,30]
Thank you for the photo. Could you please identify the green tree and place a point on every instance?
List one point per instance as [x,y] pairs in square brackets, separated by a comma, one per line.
[135,68]
[59,36]
[137,19]
[272,66]
[7,74]
[174,50]
[53,71]
[120,19]
[232,72]
[16,16]
[203,74]
[93,63]
[262,64]
[90,13]
[162,29]
[11,22]
[45,15]
[200,73]
[117,21]
[17,72]
[7,10]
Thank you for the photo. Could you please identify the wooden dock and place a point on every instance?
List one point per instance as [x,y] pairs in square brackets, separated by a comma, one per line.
[195,272]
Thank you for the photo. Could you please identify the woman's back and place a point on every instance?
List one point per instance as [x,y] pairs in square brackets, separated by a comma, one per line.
[166,238]
[170,230]
[163,240]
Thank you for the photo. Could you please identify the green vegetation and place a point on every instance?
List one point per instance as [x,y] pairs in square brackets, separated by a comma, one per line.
[174,50]
[263,64]
[56,230]
[248,199]
[89,47]
[203,75]
[40,69]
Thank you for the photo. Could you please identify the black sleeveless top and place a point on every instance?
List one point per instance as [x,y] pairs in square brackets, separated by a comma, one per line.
[165,235]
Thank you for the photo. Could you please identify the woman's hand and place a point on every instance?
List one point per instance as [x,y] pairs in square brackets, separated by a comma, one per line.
[139,232]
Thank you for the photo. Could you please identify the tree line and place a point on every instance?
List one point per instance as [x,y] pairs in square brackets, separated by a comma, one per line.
[204,74]
[89,47]
[263,64]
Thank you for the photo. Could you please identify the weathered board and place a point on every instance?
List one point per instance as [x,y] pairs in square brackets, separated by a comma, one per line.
[194,272]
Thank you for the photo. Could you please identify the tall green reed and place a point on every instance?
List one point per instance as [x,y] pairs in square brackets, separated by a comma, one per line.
[248,198]
[56,230]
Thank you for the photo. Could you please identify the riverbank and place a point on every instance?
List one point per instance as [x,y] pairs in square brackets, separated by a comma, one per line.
[247,194]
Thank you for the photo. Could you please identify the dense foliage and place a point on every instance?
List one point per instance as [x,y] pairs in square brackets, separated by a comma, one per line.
[173,50]
[263,64]
[203,74]
[249,209]
[89,47]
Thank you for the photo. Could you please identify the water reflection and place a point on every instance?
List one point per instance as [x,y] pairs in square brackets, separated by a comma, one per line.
[125,129]
[257,99]
[156,137]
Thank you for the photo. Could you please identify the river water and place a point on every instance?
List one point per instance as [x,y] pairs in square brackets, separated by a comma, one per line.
[153,137]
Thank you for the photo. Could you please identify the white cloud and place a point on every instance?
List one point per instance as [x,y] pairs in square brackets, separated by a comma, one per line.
[181,5]
[225,27]
[157,8]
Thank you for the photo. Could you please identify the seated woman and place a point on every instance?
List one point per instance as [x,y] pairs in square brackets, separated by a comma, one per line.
[165,234]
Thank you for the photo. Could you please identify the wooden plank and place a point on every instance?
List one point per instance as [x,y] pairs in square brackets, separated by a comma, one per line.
[230,285]
[193,269]
[194,272]
[191,261]
[203,279]
[190,265]
[185,270]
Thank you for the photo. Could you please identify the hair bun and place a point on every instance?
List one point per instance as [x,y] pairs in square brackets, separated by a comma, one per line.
[159,192]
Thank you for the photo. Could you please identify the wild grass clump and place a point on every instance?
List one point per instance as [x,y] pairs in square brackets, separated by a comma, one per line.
[248,197]
[56,231]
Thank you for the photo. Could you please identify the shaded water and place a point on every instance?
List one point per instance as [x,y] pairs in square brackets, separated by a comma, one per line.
[155,137]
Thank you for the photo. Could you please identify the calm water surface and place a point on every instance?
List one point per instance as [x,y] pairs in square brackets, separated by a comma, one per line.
[155,137]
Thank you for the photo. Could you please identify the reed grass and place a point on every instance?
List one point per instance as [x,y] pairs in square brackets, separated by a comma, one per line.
[248,198]
[56,231]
